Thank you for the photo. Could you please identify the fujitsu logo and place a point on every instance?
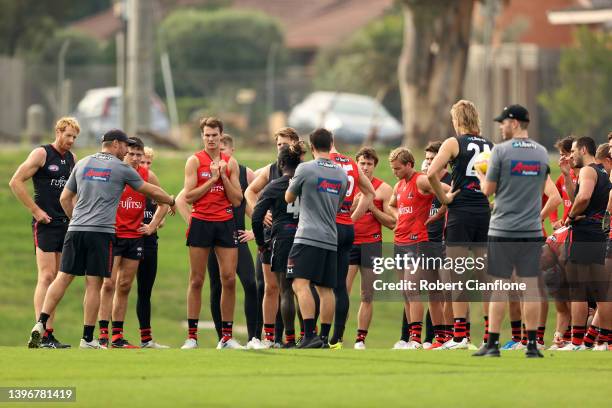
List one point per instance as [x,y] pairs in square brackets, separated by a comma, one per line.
[60,182]
[130,204]
[217,189]
[405,210]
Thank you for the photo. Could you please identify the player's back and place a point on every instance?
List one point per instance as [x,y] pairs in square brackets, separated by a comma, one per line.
[463,173]
[321,186]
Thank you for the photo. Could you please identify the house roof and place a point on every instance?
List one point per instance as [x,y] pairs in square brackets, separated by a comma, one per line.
[308,24]
[587,12]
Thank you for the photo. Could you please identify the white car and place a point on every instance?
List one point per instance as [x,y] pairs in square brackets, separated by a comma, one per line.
[350,117]
[98,112]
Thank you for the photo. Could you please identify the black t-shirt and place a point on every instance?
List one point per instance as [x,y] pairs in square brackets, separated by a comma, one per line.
[273,174]
[285,216]
[464,175]
[435,230]
[596,210]
[49,182]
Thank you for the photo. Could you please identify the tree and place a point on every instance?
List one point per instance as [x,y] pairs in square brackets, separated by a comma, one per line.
[367,63]
[432,65]
[221,40]
[82,49]
[581,103]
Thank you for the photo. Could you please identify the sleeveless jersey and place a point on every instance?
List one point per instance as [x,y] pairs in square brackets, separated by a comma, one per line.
[49,181]
[464,176]
[239,212]
[213,205]
[413,210]
[131,210]
[367,228]
[557,239]
[273,174]
[352,172]
[435,230]
[596,210]
[150,208]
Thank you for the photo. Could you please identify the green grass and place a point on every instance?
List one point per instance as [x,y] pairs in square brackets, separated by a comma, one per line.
[376,377]
[282,378]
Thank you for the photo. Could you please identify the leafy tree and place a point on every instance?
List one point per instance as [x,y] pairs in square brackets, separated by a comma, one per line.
[82,49]
[225,39]
[581,103]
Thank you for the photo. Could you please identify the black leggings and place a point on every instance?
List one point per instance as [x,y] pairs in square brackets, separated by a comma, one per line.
[147,271]
[346,236]
[246,274]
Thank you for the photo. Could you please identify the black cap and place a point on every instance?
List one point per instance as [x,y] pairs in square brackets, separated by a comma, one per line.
[135,142]
[115,134]
[513,112]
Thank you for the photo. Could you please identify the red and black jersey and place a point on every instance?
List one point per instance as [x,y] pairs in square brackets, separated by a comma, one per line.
[463,173]
[352,172]
[367,228]
[131,209]
[214,204]
[49,182]
[596,209]
[412,212]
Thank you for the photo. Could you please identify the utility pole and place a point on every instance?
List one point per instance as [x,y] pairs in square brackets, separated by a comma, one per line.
[139,79]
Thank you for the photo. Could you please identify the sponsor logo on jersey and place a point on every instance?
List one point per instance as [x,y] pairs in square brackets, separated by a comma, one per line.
[60,182]
[217,188]
[148,215]
[525,168]
[327,164]
[341,159]
[205,174]
[521,144]
[53,167]
[474,185]
[97,174]
[130,204]
[405,210]
[330,186]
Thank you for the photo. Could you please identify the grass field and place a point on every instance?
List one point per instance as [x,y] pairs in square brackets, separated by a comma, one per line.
[279,378]
[376,377]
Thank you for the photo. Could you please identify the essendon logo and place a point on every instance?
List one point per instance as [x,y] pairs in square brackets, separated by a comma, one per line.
[205,174]
[331,186]
[525,168]
[475,186]
[96,174]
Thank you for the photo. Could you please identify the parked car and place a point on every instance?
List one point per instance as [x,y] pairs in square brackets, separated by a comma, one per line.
[98,112]
[350,117]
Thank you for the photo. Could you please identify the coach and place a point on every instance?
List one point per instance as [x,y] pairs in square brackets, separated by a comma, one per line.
[518,173]
[97,182]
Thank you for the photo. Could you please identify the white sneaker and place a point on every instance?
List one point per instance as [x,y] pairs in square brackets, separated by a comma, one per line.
[400,345]
[571,347]
[229,344]
[36,335]
[519,346]
[600,347]
[453,345]
[414,345]
[266,344]
[360,345]
[89,344]
[190,344]
[153,345]
[255,344]
[426,345]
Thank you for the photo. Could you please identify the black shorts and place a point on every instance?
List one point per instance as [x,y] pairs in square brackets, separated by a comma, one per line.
[130,248]
[206,234]
[280,254]
[265,256]
[49,237]
[88,253]
[433,249]
[465,227]
[587,246]
[364,254]
[346,236]
[521,255]
[315,264]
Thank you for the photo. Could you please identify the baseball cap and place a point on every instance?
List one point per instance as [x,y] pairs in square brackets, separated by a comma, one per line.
[115,134]
[513,112]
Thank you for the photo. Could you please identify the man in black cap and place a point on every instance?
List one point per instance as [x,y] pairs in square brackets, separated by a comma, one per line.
[517,173]
[97,183]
